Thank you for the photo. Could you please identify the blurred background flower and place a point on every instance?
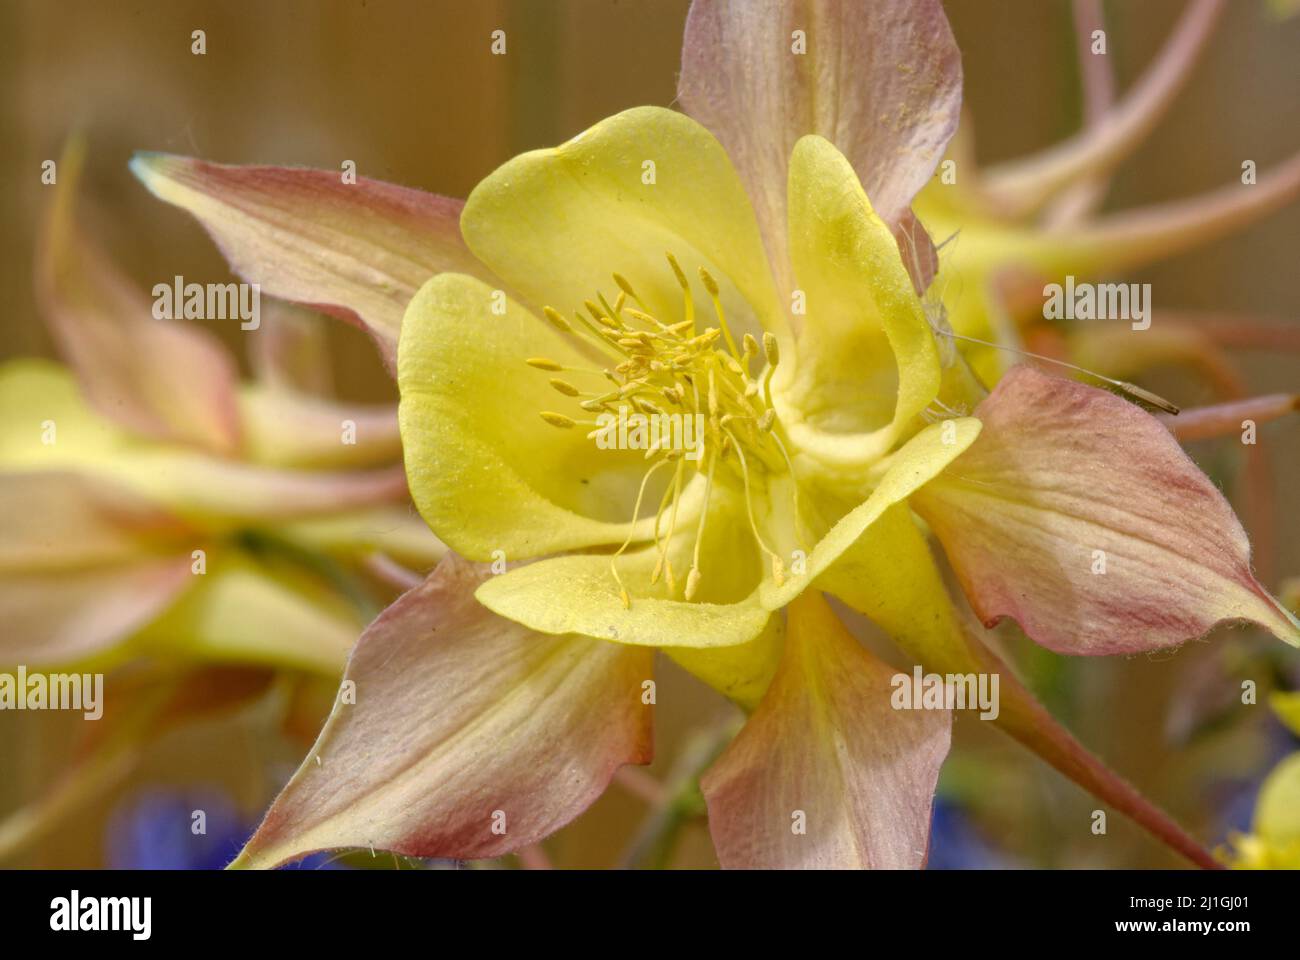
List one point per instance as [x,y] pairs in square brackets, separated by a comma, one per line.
[411,93]
[187,829]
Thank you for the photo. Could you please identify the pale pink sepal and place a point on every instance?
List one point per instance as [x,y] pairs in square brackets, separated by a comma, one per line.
[1078,515]
[358,251]
[827,773]
[169,380]
[470,736]
[83,563]
[880,80]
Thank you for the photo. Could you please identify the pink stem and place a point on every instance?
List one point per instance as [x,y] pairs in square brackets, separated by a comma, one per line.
[1201,423]
[1027,184]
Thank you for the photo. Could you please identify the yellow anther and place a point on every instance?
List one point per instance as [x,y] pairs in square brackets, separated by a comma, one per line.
[607,323]
[677,271]
[692,583]
[557,320]
[558,419]
[712,286]
[672,365]
[566,388]
[626,287]
[596,332]
[770,349]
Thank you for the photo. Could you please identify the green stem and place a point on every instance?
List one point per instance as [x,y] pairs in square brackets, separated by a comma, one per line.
[655,840]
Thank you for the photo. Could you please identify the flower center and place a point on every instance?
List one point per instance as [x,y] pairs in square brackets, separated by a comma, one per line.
[667,376]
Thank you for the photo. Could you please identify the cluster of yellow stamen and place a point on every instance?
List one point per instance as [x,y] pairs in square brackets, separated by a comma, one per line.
[659,368]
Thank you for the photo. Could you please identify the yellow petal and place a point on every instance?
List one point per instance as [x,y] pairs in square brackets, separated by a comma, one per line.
[484,469]
[239,612]
[554,224]
[396,531]
[579,594]
[58,618]
[1277,812]
[1287,708]
[921,459]
[60,520]
[890,576]
[867,359]
[45,425]
[741,673]
[283,428]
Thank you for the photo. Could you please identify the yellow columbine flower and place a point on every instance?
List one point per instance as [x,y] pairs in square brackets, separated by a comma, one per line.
[812,455]
[635,271]
[1274,839]
[791,435]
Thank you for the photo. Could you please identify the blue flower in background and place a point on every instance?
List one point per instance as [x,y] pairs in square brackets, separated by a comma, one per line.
[957,844]
[1234,800]
[154,829]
